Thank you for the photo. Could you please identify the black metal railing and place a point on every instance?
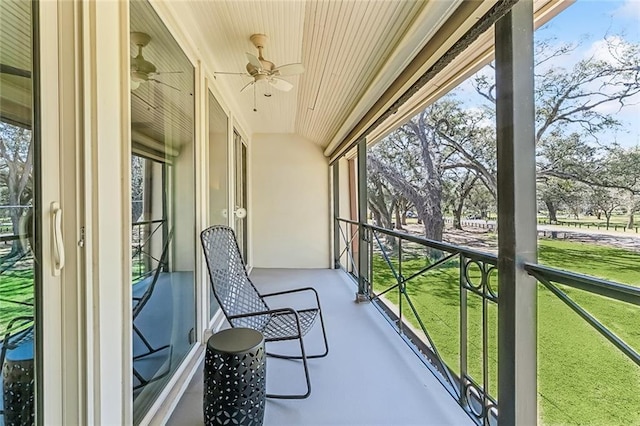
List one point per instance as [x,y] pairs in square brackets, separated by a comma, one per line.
[147,240]
[411,279]
[346,257]
[550,278]
[417,266]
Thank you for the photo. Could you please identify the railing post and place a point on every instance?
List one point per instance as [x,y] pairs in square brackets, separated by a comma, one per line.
[336,214]
[517,399]
[462,399]
[363,258]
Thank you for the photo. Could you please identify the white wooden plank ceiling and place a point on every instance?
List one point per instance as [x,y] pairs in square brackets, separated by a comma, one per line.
[15,53]
[164,114]
[343,45]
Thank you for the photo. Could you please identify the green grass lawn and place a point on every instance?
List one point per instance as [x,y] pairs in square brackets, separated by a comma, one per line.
[15,285]
[582,378]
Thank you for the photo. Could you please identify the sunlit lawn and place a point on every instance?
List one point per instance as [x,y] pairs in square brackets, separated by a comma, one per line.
[583,379]
[15,286]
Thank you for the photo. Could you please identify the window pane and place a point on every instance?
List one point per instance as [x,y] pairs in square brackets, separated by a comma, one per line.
[163,205]
[218,172]
[18,195]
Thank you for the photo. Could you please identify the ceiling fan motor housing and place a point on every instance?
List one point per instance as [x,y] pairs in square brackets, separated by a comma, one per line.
[140,67]
[259,41]
[267,68]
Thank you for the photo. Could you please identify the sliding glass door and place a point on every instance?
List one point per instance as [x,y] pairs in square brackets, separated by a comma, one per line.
[218,173]
[163,201]
[240,156]
[32,255]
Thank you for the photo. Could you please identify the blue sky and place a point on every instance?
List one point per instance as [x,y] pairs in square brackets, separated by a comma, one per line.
[596,18]
[587,23]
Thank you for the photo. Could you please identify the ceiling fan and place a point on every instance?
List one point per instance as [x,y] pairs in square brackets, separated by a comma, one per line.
[141,69]
[261,69]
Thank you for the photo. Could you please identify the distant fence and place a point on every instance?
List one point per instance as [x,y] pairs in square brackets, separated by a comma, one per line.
[590,225]
[6,226]
[491,226]
[475,224]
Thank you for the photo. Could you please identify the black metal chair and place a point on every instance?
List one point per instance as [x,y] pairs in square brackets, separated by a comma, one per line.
[244,306]
[138,304]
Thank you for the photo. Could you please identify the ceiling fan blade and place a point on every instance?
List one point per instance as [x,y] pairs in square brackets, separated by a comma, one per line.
[163,83]
[231,73]
[8,69]
[143,100]
[253,60]
[167,72]
[247,85]
[279,84]
[289,69]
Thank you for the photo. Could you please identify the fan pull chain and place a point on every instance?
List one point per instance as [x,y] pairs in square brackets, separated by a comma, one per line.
[254,98]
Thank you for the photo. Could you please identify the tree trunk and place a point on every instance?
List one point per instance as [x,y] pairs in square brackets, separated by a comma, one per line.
[398,219]
[404,217]
[553,211]
[632,210]
[607,215]
[15,213]
[431,214]
[457,217]
[377,218]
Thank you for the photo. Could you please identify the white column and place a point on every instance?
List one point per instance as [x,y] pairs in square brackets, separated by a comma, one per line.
[517,399]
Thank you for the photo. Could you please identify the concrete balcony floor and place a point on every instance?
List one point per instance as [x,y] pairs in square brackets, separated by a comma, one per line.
[370,376]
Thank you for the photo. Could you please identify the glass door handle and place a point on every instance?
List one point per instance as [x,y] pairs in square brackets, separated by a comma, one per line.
[240,212]
[58,243]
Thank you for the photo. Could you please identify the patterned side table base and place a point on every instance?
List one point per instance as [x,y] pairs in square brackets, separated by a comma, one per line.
[18,393]
[234,378]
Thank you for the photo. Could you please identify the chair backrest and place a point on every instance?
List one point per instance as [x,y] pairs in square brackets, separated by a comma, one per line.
[230,282]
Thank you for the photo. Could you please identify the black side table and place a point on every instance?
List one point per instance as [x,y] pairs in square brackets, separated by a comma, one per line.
[234,378]
[19,382]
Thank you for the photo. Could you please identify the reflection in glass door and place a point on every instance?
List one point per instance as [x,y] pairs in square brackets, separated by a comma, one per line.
[240,149]
[19,204]
[218,174]
[31,249]
[163,201]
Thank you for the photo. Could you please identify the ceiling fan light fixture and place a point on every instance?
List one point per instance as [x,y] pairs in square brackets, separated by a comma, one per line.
[139,77]
[134,84]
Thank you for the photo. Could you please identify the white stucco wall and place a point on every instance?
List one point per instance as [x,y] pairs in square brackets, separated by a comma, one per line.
[290,201]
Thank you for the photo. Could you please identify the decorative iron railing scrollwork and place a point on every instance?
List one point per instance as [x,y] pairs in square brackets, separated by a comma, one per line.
[478,284]
[476,279]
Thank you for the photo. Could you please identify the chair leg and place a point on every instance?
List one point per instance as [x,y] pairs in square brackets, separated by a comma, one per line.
[303,356]
[144,382]
[150,349]
[324,337]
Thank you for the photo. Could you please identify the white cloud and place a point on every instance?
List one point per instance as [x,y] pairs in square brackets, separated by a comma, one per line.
[629,10]
[606,49]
